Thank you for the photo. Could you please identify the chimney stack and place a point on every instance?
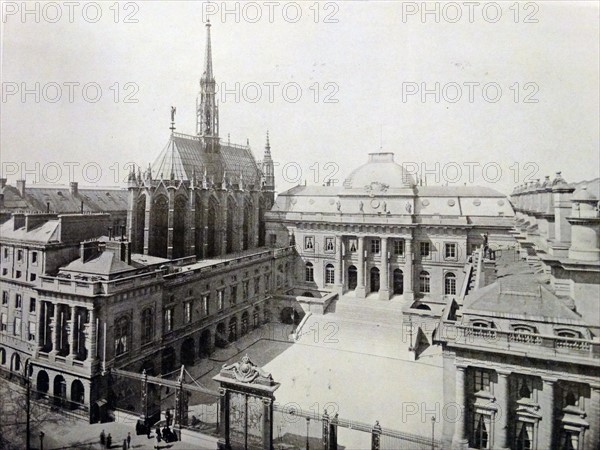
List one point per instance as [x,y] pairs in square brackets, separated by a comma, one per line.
[73,188]
[2,183]
[21,187]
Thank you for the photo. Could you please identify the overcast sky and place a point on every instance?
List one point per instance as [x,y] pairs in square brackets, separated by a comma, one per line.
[361,68]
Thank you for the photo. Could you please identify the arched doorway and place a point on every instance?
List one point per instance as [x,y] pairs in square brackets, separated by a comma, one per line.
[245,320]
[188,352]
[43,384]
[15,363]
[352,278]
[221,336]
[232,329]
[168,360]
[60,390]
[204,344]
[398,282]
[374,285]
[77,394]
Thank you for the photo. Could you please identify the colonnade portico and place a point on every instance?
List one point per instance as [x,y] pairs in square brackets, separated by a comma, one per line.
[72,332]
[365,261]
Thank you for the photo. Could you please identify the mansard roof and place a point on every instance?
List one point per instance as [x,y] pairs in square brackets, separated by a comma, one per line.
[106,263]
[61,199]
[183,155]
[518,293]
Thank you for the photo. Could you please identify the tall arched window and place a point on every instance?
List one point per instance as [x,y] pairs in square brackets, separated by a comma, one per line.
[450,284]
[147,325]
[424,282]
[329,274]
[121,335]
[309,272]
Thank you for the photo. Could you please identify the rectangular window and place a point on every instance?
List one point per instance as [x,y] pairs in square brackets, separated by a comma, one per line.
[187,310]
[329,274]
[19,255]
[375,246]
[205,304]
[399,247]
[524,436]
[309,243]
[5,253]
[34,257]
[257,286]
[272,239]
[4,271]
[425,249]
[481,381]
[5,297]
[220,300]
[481,431]
[245,289]
[17,329]
[168,320]
[329,244]
[424,283]
[352,245]
[450,251]
[32,305]
[3,322]
[18,301]
[233,294]
[267,282]
[31,334]
[32,277]
[18,274]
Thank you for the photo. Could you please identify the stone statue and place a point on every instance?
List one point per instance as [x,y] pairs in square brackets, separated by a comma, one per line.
[408,207]
[338,205]
[361,206]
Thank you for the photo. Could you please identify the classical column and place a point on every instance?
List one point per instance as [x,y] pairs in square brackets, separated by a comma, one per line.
[204,201]
[72,332]
[90,336]
[384,288]
[501,418]
[42,326]
[54,328]
[147,222]
[171,222]
[408,271]
[593,411]
[458,440]
[546,400]
[360,285]
[339,265]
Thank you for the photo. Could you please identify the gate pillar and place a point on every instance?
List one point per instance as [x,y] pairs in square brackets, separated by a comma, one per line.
[247,396]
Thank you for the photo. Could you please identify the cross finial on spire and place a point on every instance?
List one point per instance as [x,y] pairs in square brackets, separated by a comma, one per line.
[173,111]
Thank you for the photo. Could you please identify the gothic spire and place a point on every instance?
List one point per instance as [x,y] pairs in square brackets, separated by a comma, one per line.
[207,110]
[208,70]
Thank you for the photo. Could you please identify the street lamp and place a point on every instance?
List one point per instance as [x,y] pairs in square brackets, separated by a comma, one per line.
[42,440]
[307,425]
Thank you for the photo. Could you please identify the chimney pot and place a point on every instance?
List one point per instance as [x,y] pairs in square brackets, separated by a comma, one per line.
[21,187]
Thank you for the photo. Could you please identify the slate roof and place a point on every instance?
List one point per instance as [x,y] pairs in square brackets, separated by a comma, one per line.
[43,234]
[106,263]
[183,155]
[520,293]
[62,200]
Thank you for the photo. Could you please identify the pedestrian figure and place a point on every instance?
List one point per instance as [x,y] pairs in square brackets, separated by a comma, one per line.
[158,434]
[102,439]
[109,441]
[124,444]
[128,440]
[148,431]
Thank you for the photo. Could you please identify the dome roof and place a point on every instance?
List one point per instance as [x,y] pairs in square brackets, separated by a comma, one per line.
[380,169]
[583,195]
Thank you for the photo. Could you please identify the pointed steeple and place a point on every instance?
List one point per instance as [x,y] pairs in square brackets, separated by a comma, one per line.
[207,110]
[268,168]
[208,70]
